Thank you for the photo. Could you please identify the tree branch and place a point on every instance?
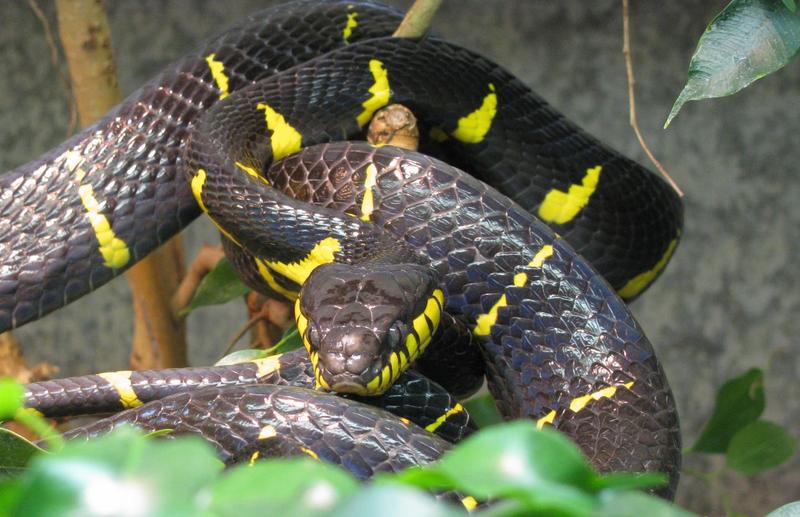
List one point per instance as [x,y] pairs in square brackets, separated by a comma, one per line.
[417,19]
[626,51]
[159,339]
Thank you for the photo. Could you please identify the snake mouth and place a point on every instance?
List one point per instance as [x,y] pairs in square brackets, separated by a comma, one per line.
[352,388]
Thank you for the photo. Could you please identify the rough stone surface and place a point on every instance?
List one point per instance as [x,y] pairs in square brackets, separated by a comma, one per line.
[726,302]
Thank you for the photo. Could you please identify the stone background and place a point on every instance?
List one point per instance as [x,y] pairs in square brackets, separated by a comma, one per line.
[726,302]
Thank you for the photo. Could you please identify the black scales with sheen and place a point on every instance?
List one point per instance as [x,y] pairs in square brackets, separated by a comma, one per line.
[561,347]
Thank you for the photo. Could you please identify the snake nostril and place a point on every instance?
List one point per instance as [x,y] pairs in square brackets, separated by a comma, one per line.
[357,363]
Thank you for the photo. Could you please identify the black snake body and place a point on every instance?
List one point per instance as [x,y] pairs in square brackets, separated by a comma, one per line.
[560,345]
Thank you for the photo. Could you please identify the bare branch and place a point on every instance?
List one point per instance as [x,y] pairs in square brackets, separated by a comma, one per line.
[417,19]
[626,51]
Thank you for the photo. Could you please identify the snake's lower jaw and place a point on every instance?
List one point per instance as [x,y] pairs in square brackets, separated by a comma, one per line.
[352,388]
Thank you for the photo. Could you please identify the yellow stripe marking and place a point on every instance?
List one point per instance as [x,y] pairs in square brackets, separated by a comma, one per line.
[579,403]
[322,253]
[561,207]
[73,161]
[368,203]
[469,503]
[549,418]
[309,452]
[439,295]
[285,139]
[272,282]
[483,325]
[433,310]
[197,183]
[351,24]
[422,329]
[458,408]
[268,365]
[121,381]
[252,172]
[253,458]
[413,346]
[380,92]
[405,420]
[267,432]
[218,74]
[34,411]
[300,318]
[114,251]
[636,284]
[473,128]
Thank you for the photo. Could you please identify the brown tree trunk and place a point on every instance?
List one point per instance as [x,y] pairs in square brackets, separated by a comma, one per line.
[159,337]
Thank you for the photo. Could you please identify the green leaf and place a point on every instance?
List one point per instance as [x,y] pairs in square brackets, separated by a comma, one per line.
[483,410]
[220,285]
[514,460]
[790,4]
[394,501]
[740,401]
[12,396]
[122,472]
[760,446]
[787,510]
[633,504]
[15,452]
[631,480]
[290,340]
[746,41]
[242,356]
[297,486]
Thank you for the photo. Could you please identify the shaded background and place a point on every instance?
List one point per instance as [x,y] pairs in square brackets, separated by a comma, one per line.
[727,302]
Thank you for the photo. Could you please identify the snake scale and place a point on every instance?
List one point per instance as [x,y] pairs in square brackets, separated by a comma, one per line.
[560,346]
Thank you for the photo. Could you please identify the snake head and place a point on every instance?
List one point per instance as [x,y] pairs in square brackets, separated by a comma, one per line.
[364,325]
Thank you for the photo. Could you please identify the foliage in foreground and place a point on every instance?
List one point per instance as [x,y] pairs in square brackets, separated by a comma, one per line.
[530,472]
[523,470]
[748,40]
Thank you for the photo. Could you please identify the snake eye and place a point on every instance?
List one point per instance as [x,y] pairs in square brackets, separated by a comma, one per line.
[393,336]
[312,335]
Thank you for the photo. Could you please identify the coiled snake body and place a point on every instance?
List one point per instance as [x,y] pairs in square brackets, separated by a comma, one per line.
[560,346]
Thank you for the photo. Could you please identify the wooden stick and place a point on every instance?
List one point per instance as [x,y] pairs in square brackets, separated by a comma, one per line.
[159,340]
[626,51]
[417,19]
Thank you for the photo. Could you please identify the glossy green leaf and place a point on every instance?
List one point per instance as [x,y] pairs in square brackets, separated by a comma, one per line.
[635,504]
[514,460]
[15,452]
[787,510]
[220,285]
[12,396]
[746,41]
[394,501]
[123,472]
[242,356]
[631,480]
[298,487]
[483,410]
[760,446]
[739,402]
[790,4]
[290,340]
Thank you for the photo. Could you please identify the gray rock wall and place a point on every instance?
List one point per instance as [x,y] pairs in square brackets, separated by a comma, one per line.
[727,302]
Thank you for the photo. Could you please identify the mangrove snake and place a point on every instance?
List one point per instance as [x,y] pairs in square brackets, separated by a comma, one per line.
[559,345]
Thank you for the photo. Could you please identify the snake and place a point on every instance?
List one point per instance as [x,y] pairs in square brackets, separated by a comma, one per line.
[250,130]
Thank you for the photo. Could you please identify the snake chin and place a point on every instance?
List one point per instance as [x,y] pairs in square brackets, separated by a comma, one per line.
[352,388]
